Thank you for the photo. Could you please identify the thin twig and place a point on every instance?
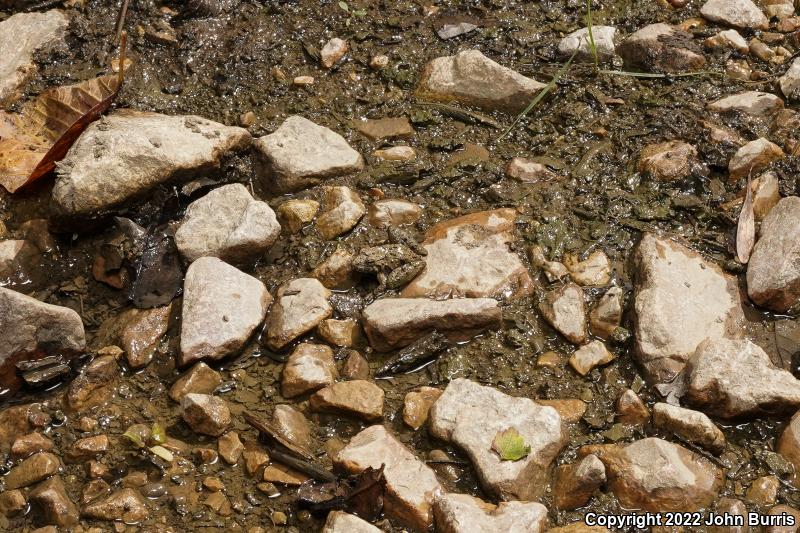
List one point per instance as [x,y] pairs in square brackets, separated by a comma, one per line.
[656,75]
[123,13]
[592,44]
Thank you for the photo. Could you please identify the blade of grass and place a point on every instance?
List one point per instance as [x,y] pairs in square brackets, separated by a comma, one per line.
[538,98]
[592,46]
[656,75]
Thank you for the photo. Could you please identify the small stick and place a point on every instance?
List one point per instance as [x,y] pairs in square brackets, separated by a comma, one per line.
[123,46]
[123,13]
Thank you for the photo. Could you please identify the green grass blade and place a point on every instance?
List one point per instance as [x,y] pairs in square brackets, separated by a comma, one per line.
[592,46]
[538,98]
[656,75]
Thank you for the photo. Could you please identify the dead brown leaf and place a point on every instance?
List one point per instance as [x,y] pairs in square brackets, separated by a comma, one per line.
[746,229]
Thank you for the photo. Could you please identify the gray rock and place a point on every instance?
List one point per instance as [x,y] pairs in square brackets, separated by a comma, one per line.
[301,154]
[392,323]
[341,210]
[579,40]
[470,416]
[737,13]
[753,157]
[222,307]
[563,308]
[471,78]
[462,513]
[127,153]
[341,522]
[390,212]
[589,356]
[310,367]
[661,48]
[227,223]
[693,426]
[681,300]
[735,378]
[18,259]
[411,485]
[773,273]
[753,103]
[30,329]
[469,256]
[606,316]
[205,414]
[790,82]
[300,305]
[21,35]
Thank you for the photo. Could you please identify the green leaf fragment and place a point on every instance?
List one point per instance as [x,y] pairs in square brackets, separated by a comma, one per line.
[344,6]
[135,438]
[510,445]
[360,13]
[158,434]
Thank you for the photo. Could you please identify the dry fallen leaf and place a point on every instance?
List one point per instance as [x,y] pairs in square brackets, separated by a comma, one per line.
[746,229]
[510,445]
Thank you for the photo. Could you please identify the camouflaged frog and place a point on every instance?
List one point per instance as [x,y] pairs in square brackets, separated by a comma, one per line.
[393,264]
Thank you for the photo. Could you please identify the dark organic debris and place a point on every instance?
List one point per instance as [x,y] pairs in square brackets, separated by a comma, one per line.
[158,275]
[360,494]
[416,354]
[44,371]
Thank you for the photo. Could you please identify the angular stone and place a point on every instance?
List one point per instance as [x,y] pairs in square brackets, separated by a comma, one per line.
[390,212]
[309,368]
[12,502]
[205,414]
[469,256]
[589,356]
[18,259]
[417,404]
[736,13]
[594,271]
[789,446]
[670,161]
[411,486]
[342,333]
[471,78]
[51,503]
[384,128]
[528,171]
[765,195]
[333,51]
[301,154]
[292,425]
[278,473]
[341,522]
[661,48]
[753,103]
[753,157]
[763,491]
[21,35]
[631,409]
[222,307]
[579,40]
[294,214]
[200,379]
[358,398]
[355,366]
[571,410]
[30,329]
[735,378]
[728,39]
[470,416]
[124,155]
[336,271]
[88,448]
[125,504]
[575,483]
[693,426]
[395,153]
[734,508]
[462,513]
[563,309]
[773,273]
[606,316]
[230,447]
[33,469]
[391,323]
[94,385]
[681,299]
[229,224]
[27,445]
[790,82]
[299,306]
[138,332]
[341,210]
[658,476]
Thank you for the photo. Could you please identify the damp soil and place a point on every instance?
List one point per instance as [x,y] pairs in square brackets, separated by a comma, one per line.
[226,62]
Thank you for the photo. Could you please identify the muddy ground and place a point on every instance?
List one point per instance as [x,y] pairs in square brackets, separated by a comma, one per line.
[224,64]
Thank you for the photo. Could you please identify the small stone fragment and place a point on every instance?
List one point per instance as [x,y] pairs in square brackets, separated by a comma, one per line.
[661,48]
[35,468]
[125,504]
[395,153]
[736,13]
[575,483]
[763,491]
[336,271]
[50,501]
[462,513]
[341,522]
[631,409]
[378,62]
[563,308]
[590,356]
[594,271]
[670,161]
[693,426]
[230,447]
[88,448]
[753,157]
[294,214]
[333,52]
[528,171]
[205,414]
[94,385]
[309,368]
[606,316]
[29,444]
[292,425]
[384,128]
[299,306]
[790,82]
[417,404]
[390,212]
[343,333]
[603,37]
[200,379]
[753,103]
[283,475]
[12,502]
[341,210]
[730,39]
[361,399]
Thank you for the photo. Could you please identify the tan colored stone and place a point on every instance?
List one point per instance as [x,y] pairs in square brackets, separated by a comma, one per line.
[563,308]
[362,399]
[294,214]
[417,404]
[200,379]
[309,368]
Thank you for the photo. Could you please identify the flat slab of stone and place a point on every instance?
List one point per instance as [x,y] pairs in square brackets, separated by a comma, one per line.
[471,78]
[21,35]
[754,103]
[681,299]
[470,415]
[300,305]
[469,257]
[30,329]
[227,223]
[392,323]
[222,307]
[658,476]
[773,273]
[462,513]
[736,13]
[127,153]
[301,154]
[411,485]
[357,398]
[736,378]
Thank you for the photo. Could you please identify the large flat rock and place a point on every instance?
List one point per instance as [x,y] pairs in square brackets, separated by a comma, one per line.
[222,307]
[773,273]
[301,154]
[471,78]
[396,322]
[124,155]
[469,257]
[470,415]
[411,485]
[681,299]
[21,35]
[30,329]
[462,513]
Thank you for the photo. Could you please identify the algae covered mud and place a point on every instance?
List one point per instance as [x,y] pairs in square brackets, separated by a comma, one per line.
[401,266]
